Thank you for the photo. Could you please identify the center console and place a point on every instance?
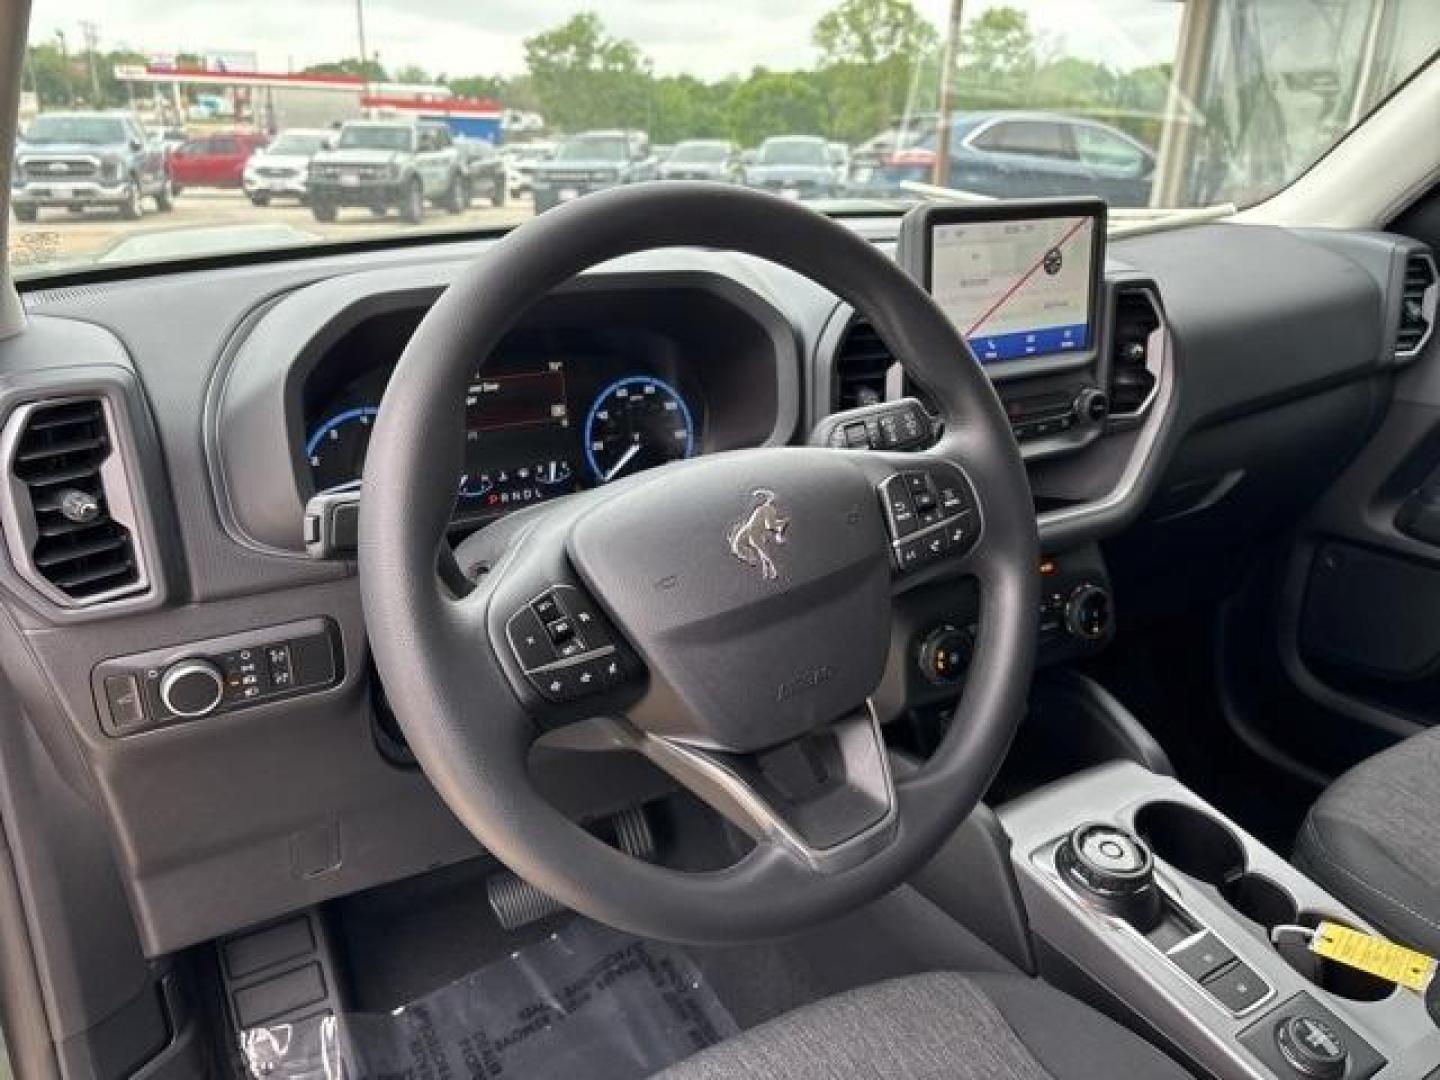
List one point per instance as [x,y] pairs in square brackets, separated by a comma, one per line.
[1136,884]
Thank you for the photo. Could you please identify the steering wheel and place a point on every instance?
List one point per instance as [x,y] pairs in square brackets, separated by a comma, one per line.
[732,611]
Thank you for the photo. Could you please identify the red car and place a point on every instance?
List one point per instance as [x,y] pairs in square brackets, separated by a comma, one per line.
[214,160]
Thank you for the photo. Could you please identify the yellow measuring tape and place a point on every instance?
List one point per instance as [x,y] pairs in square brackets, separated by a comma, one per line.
[1384,959]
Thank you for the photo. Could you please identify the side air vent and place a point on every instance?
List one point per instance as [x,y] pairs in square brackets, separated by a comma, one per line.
[68,521]
[1419,297]
[862,362]
[1133,362]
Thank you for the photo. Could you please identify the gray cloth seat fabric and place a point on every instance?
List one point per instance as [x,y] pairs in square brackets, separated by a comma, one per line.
[1373,841]
[940,1026]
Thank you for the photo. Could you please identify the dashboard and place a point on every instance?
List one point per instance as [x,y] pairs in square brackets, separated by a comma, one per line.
[1238,368]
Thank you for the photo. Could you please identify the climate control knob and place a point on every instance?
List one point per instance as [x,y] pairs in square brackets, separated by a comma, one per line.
[945,654]
[1091,405]
[192,688]
[1088,613]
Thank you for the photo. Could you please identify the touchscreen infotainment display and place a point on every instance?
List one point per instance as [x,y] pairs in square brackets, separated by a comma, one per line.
[1019,287]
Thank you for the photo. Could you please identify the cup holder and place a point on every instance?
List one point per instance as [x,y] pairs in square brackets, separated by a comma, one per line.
[1196,844]
[1191,841]
[1338,979]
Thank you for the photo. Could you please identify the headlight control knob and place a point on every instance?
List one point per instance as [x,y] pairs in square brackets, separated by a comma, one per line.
[192,688]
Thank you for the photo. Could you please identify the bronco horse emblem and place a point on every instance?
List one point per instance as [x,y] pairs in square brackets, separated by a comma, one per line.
[751,538]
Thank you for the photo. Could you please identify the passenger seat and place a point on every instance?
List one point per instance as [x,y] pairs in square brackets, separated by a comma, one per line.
[1373,840]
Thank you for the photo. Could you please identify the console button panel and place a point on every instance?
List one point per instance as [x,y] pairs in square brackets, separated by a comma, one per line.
[189,682]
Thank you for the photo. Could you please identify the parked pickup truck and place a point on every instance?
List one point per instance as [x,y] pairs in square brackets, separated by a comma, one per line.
[77,160]
[592,161]
[383,164]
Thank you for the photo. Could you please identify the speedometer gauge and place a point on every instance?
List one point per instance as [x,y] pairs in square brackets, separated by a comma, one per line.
[336,448]
[635,424]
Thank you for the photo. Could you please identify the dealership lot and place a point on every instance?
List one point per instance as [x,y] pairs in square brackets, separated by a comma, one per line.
[59,238]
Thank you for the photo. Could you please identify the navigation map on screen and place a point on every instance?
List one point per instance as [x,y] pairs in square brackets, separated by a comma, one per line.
[1016,288]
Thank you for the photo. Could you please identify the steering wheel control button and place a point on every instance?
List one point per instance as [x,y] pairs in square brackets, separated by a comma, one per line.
[1201,956]
[546,607]
[1237,988]
[1313,1047]
[560,631]
[529,640]
[928,512]
[192,688]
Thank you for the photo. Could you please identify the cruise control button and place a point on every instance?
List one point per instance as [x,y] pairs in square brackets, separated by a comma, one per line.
[589,677]
[547,607]
[612,669]
[556,684]
[910,555]
[959,533]
[937,545]
[560,631]
[588,624]
[1237,988]
[529,640]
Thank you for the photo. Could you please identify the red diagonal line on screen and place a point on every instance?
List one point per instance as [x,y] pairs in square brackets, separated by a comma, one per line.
[1019,284]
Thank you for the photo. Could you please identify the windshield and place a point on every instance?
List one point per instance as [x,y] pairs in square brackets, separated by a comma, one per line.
[374,137]
[89,130]
[793,152]
[844,105]
[593,150]
[700,153]
[299,145]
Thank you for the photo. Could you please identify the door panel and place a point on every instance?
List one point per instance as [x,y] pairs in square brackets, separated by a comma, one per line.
[1360,629]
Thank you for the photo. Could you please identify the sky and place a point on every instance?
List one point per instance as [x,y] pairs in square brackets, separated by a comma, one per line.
[707,38]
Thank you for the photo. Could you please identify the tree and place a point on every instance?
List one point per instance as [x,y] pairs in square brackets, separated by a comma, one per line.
[772,103]
[869,52]
[585,78]
[999,45]
[686,108]
[370,70]
[872,32]
[412,73]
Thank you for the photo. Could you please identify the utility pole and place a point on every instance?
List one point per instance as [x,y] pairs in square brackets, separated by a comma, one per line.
[65,67]
[360,30]
[941,176]
[91,33]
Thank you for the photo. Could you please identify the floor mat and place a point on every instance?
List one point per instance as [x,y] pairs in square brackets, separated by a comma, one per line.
[586,1001]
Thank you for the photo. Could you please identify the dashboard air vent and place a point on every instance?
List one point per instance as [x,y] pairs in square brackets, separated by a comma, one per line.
[1132,365]
[862,362]
[67,530]
[1418,302]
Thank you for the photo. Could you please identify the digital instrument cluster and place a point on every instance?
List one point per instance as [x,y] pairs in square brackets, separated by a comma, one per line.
[535,428]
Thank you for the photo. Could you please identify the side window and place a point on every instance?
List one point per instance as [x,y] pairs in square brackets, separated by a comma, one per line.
[1033,138]
[195,147]
[223,145]
[1105,150]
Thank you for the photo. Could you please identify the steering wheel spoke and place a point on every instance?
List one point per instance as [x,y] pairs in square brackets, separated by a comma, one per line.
[826,799]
